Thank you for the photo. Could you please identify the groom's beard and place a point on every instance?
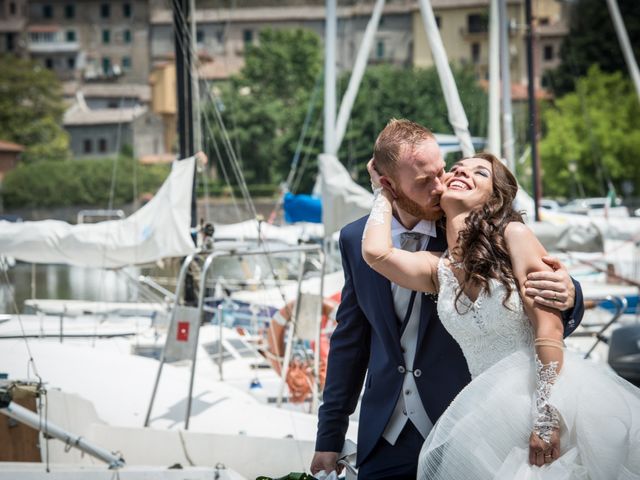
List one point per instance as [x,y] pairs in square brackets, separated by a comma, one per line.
[415,209]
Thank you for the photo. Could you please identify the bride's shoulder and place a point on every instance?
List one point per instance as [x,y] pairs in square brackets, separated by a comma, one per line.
[524,248]
[516,232]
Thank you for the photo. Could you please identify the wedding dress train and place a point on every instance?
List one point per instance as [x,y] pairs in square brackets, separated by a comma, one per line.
[484,434]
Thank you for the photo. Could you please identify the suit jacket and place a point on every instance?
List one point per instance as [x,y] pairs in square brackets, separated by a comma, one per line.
[367,341]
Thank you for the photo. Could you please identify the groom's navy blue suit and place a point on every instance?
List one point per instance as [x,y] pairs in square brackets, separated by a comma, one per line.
[367,340]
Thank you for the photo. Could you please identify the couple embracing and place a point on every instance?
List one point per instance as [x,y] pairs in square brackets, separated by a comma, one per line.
[458,327]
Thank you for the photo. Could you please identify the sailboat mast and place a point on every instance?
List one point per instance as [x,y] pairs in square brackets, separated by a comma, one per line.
[533,113]
[623,38]
[494,79]
[184,96]
[507,115]
[330,78]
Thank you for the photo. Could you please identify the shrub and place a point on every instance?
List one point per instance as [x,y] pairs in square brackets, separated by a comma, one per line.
[80,182]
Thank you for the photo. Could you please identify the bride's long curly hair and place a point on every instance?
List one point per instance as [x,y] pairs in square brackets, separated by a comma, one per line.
[481,244]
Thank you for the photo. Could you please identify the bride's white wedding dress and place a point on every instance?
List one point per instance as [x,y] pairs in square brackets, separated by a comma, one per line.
[484,434]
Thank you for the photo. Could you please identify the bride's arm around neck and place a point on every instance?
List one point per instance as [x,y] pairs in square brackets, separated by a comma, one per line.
[412,270]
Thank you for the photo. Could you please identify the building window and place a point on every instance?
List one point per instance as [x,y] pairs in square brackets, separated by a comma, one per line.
[126,10]
[71,63]
[42,37]
[12,8]
[47,11]
[71,36]
[543,21]
[380,49]
[548,52]
[477,23]
[48,62]
[106,36]
[199,36]
[247,35]
[106,65]
[10,43]
[102,145]
[126,63]
[439,21]
[475,53]
[220,37]
[105,10]
[87,147]
[127,36]
[69,11]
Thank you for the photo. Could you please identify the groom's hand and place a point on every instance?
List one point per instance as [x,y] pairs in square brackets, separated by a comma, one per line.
[551,289]
[327,461]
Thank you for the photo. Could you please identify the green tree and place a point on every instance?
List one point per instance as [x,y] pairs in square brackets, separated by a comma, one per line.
[592,40]
[265,106]
[31,110]
[595,132]
[283,63]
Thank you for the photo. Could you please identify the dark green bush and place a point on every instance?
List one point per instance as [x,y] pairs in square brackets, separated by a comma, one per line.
[80,182]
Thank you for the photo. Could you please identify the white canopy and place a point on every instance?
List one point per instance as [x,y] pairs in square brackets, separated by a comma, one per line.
[158,230]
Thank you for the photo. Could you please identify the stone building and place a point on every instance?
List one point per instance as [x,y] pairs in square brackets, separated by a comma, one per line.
[104,132]
[92,39]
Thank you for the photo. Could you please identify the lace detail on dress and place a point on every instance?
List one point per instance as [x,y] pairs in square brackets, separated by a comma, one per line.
[486,331]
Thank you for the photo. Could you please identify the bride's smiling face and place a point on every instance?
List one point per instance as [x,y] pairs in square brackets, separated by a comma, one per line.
[469,185]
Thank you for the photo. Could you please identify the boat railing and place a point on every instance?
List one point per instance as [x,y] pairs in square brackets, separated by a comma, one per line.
[232,251]
[597,330]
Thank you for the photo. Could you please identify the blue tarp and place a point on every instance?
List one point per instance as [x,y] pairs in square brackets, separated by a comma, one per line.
[302,208]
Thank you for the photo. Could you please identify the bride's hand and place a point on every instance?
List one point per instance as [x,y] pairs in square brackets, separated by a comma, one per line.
[379,181]
[375,176]
[541,452]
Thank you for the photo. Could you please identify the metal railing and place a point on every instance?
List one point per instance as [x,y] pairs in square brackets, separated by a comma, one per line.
[303,250]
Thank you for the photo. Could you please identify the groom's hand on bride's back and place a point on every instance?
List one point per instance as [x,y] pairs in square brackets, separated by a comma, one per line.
[327,461]
[552,289]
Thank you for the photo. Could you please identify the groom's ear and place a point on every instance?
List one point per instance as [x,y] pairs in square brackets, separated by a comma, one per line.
[389,184]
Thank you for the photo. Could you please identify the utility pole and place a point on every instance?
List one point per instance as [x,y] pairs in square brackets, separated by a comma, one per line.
[533,112]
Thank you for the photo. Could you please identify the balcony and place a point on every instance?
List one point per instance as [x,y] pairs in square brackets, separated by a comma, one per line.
[48,39]
[53,47]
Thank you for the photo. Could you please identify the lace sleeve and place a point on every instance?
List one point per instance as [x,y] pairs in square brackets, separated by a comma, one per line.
[546,417]
[376,237]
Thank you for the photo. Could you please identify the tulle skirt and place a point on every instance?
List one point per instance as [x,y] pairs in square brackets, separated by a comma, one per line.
[484,434]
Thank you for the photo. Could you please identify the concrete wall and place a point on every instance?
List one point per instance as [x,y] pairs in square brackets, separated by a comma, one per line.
[93,133]
[147,132]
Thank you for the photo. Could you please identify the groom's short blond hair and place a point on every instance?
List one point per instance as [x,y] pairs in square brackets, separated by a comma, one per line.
[392,138]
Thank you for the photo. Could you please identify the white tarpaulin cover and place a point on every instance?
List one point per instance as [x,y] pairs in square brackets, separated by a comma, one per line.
[158,230]
[250,230]
[343,200]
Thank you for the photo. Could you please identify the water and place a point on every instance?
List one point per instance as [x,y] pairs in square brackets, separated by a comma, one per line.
[65,282]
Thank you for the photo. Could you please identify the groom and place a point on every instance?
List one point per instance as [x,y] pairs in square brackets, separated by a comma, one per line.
[413,367]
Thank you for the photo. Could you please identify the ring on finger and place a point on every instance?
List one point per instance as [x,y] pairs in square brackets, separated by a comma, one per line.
[555,297]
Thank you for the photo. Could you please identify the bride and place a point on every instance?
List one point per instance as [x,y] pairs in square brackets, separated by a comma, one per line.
[532,410]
